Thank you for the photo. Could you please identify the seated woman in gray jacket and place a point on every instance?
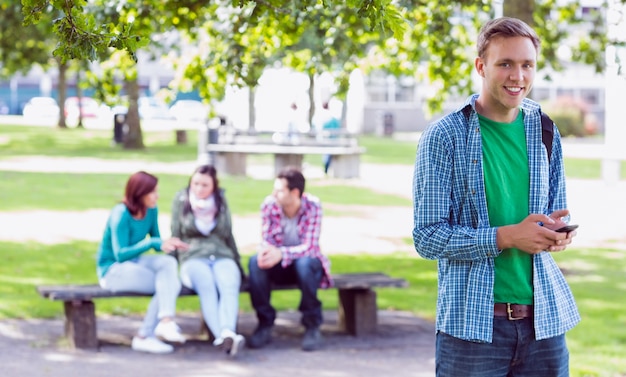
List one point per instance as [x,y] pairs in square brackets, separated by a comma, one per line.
[211,266]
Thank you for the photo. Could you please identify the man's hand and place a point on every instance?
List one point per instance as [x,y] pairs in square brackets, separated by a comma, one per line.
[269,256]
[536,233]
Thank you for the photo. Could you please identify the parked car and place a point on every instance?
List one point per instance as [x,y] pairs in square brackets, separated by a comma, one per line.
[88,107]
[4,108]
[153,108]
[189,110]
[42,108]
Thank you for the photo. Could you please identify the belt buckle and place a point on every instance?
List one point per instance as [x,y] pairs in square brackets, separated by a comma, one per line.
[509,312]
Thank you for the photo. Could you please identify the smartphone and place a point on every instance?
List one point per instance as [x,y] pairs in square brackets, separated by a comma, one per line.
[567,228]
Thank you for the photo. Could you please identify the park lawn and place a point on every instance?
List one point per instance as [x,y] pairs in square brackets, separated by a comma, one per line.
[29,264]
[75,192]
[597,344]
[79,142]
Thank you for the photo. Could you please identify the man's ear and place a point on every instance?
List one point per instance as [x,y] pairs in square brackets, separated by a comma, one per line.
[479,64]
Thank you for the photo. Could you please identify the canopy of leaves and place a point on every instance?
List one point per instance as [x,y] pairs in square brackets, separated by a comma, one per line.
[430,40]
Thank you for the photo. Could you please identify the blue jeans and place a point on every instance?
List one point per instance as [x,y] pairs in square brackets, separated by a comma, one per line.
[514,352]
[151,274]
[327,160]
[306,272]
[217,284]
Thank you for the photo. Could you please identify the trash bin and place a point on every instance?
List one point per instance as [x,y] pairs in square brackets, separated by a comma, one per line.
[214,134]
[119,128]
[388,125]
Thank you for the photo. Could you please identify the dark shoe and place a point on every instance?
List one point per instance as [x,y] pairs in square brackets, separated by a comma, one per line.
[312,339]
[262,336]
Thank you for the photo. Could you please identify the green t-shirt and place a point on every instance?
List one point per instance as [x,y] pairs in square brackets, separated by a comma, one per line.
[505,166]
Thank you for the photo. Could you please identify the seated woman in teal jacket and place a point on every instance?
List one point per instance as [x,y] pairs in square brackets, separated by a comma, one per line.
[123,264]
[211,265]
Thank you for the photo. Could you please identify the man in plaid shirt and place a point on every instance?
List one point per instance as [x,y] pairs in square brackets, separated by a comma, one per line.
[488,201]
[289,254]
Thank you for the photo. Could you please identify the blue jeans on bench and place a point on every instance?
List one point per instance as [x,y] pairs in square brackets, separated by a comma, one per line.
[150,274]
[217,283]
[305,272]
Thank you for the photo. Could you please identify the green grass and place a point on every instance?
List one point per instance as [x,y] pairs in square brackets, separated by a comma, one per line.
[597,344]
[74,192]
[76,142]
[27,265]
[381,150]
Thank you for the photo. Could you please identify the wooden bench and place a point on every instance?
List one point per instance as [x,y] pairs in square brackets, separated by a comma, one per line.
[357,304]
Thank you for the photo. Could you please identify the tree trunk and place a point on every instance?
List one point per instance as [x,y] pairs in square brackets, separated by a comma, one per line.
[133,138]
[311,99]
[79,95]
[251,111]
[522,10]
[519,9]
[62,87]
[344,114]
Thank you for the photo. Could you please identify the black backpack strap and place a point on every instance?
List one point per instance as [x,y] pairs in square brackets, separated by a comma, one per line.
[547,129]
[547,133]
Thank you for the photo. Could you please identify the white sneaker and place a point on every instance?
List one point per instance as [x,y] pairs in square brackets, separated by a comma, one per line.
[218,342]
[238,342]
[230,342]
[150,344]
[169,331]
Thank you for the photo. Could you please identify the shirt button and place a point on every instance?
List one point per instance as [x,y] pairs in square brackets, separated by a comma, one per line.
[474,161]
[473,192]
[212,257]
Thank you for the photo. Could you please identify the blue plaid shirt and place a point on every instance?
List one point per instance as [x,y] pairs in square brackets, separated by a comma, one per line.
[451,225]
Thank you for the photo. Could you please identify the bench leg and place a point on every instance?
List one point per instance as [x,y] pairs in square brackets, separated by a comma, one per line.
[283,160]
[231,163]
[80,324]
[357,311]
[346,166]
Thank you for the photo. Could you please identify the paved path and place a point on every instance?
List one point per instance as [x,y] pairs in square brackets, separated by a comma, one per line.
[403,347]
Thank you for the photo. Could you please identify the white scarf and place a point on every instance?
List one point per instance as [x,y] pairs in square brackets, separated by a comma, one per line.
[204,211]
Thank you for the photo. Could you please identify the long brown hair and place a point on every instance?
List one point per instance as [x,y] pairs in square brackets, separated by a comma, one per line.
[138,185]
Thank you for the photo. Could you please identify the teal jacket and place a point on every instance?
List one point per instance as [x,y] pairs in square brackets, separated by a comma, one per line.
[125,237]
[219,243]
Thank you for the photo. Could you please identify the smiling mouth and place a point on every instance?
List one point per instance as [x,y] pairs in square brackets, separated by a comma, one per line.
[513,89]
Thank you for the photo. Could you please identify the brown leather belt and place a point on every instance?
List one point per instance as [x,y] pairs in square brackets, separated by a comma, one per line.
[513,311]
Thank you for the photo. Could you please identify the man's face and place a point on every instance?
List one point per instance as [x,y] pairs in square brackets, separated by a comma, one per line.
[508,71]
[281,192]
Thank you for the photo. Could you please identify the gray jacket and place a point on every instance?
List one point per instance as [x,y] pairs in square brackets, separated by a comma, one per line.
[219,243]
